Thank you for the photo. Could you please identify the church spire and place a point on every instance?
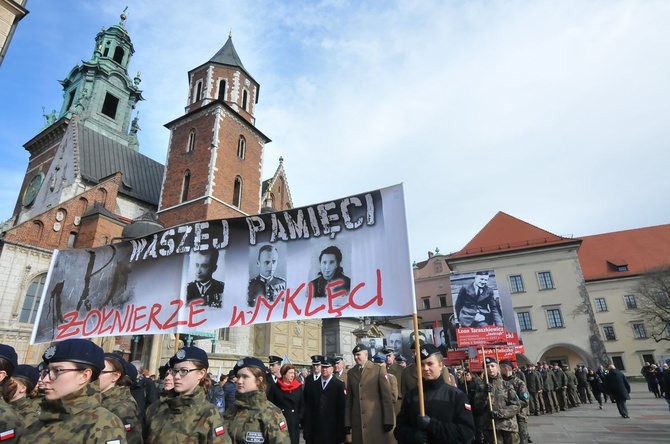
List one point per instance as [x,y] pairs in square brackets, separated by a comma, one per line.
[227,54]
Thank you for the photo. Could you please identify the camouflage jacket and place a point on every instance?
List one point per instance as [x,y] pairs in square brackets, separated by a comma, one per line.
[184,419]
[119,401]
[521,393]
[254,419]
[505,405]
[28,409]
[78,417]
[11,425]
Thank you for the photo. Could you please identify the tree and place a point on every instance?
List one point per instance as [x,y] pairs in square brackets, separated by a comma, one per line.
[653,302]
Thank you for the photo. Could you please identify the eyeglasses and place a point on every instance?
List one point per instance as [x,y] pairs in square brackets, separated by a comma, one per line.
[54,373]
[181,371]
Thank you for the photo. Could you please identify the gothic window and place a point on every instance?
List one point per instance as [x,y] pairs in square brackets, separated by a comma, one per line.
[241,147]
[38,228]
[245,100]
[191,141]
[237,192]
[185,185]
[118,55]
[110,105]
[198,91]
[32,299]
[222,89]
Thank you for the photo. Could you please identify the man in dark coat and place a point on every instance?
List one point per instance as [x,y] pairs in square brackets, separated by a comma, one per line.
[323,421]
[204,286]
[619,389]
[476,304]
[229,389]
[534,385]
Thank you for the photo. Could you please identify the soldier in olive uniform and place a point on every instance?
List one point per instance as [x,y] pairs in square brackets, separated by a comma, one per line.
[503,408]
[340,373]
[380,360]
[534,386]
[71,410]
[253,418]
[11,425]
[548,389]
[23,398]
[393,368]
[116,395]
[573,397]
[522,393]
[184,415]
[561,387]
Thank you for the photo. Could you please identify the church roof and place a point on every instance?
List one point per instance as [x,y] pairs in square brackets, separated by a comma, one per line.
[227,55]
[624,253]
[507,233]
[99,208]
[101,156]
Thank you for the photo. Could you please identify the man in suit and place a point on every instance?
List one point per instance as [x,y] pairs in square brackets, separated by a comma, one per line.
[476,304]
[205,287]
[323,421]
[316,367]
[619,389]
[266,284]
[369,415]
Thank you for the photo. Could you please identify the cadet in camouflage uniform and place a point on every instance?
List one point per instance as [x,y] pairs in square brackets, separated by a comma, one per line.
[253,418]
[116,395]
[504,409]
[184,416]
[23,397]
[71,411]
[524,398]
[11,425]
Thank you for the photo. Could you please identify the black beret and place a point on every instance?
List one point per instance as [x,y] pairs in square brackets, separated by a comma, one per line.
[120,359]
[359,348]
[428,350]
[249,362]
[507,362]
[327,361]
[27,372]
[491,360]
[387,351]
[8,352]
[274,359]
[80,351]
[190,354]
[379,359]
[131,371]
[316,359]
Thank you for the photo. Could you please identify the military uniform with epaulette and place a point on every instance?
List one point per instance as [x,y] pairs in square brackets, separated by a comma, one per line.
[503,409]
[524,400]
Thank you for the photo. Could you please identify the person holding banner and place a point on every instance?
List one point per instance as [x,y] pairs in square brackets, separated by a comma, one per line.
[448,413]
[204,286]
[11,425]
[71,410]
[266,284]
[499,405]
[477,304]
[184,414]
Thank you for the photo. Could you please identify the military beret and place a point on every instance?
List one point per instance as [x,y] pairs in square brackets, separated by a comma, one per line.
[338,359]
[359,348]
[190,354]
[27,372]
[274,359]
[118,358]
[327,361]
[667,361]
[379,359]
[7,352]
[80,351]
[506,362]
[428,350]
[249,362]
[491,361]
[316,359]
[131,371]
[387,351]
[401,358]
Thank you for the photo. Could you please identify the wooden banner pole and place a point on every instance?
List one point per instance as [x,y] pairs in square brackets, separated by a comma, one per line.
[486,375]
[417,360]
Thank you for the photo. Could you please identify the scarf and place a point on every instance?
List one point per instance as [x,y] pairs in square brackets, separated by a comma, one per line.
[288,387]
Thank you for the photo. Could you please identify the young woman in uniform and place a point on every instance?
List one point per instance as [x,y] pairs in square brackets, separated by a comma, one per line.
[116,396]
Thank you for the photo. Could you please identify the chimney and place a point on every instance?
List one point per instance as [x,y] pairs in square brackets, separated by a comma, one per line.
[430,254]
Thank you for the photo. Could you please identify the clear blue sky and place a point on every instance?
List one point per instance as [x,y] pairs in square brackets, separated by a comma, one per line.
[554,112]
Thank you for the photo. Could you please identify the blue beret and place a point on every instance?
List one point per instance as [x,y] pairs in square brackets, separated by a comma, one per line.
[81,351]
[401,358]
[190,354]
[131,371]
[379,359]
[118,358]
[8,352]
[249,362]
[327,361]
[27,372]
[428,350]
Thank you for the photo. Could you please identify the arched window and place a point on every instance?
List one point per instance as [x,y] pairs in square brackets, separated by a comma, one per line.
[191,141]
[32,299]
[185,185]
[245,100]
[222,89]
[118,55]
[198,91]
[237,192]
[241,147]
[38,227]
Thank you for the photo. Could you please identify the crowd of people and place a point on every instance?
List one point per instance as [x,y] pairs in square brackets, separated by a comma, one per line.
[81,394]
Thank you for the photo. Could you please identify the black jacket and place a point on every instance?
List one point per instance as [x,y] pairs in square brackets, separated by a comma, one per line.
[323,421]
[617,385]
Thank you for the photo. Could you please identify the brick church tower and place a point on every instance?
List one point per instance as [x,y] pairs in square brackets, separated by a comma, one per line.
[215,154]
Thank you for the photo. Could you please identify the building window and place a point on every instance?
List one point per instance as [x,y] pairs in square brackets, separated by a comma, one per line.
[224,334]
[618,362]
[118,55]
[222,89]
[191,141]
[545,280]
[661,299]
[608,330]
[32,299]
[241,147]
[601,305]
[426,303]
[72,239]
[110,105]
[443,299]
[237,192]
[516,283]
[639,332]
[525,323]
[630,301]
[185,186]
[245,100]
[554,317]
[198,91]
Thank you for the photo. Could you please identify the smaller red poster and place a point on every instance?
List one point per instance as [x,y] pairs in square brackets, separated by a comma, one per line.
[476,364]
[512,338]
[455,357]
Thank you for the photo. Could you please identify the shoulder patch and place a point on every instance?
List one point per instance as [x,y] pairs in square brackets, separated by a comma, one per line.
[219,431]
[525,395]
[128,427]
[468,407]
[282,425]
[114,441]
[7,434]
